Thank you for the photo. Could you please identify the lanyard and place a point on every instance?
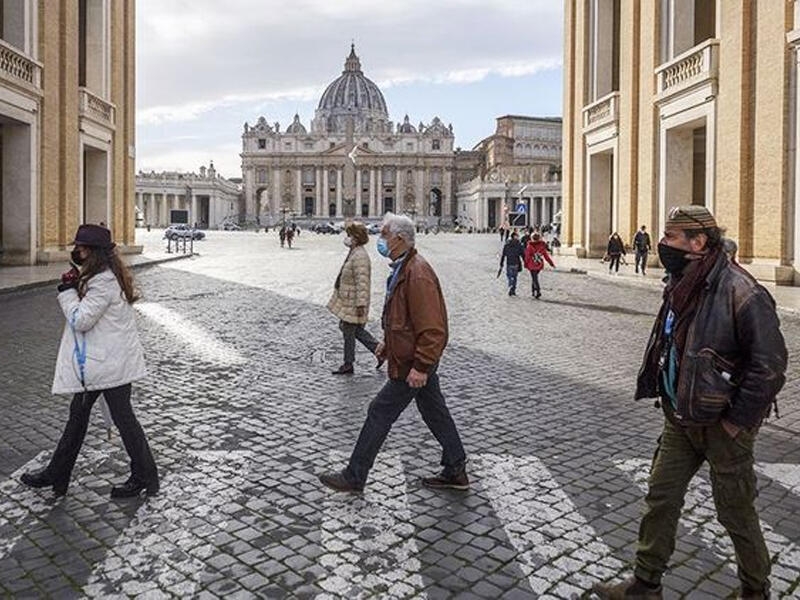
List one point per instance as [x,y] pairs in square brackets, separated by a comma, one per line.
[79,351]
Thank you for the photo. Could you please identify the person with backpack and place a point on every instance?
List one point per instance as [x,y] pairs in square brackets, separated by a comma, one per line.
[512,257]
[100,353]
[535,256]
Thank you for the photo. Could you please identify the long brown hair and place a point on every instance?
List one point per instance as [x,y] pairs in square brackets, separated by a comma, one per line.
[99,260]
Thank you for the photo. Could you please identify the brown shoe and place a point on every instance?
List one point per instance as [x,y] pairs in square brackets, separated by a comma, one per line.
[337,481]
[632,588]
[345,369]
[448,480]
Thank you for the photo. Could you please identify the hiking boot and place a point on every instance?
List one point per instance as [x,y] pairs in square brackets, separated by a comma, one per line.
[448,479]
[632,588]
[338,482]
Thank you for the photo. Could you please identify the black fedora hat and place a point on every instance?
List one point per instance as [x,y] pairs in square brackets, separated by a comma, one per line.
[93,235]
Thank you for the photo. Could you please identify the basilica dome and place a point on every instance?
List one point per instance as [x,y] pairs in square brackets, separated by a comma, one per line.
[351,95]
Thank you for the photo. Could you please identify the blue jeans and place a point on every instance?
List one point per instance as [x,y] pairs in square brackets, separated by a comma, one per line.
[511,274]
[385,409]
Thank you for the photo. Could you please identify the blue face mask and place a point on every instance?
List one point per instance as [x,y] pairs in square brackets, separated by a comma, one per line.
[383,246]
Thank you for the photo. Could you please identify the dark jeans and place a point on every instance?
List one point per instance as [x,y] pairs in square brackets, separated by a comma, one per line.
[511,275]
[613,262]
[641,260]
[353,332]
[384,410]
[143,467]
[535,289]
[680,453]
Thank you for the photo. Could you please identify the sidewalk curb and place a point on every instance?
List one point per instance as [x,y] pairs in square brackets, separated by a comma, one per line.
[24,287]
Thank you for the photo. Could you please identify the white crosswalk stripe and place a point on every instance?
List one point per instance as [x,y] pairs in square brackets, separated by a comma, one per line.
[699,518]
[158,550]
[368,540]
[553,539]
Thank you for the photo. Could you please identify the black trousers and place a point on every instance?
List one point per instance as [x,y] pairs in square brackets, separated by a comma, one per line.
[614,262]
[143,467]
[385,409]
[535,289]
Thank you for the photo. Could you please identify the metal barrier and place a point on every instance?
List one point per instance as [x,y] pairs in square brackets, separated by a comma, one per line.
[180,244]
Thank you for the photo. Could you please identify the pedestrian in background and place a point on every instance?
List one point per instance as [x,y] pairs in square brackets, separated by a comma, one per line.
[415,335]
[512,255]
[716,360]
[282,235]
[99,353]
[641,245]
[614,251]
[289,236]
[535,256]
[351,295]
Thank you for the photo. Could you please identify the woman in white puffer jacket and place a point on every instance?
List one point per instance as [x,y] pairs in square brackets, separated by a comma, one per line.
[100,353]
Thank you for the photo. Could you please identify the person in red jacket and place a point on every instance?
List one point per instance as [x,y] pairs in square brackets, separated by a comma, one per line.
[535,255]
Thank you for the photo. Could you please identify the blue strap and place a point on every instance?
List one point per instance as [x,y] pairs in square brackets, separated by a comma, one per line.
[79,351]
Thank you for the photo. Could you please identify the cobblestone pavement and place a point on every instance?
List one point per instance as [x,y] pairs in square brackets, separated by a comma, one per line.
[242,415]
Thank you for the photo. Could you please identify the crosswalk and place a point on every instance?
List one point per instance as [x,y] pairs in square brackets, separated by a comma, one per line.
[369,545]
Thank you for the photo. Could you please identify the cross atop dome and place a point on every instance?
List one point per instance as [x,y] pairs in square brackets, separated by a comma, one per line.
[352,64]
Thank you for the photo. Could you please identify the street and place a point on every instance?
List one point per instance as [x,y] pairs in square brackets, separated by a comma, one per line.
[242,414]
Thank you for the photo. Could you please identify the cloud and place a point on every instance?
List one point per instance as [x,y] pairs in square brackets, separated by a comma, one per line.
[191,53]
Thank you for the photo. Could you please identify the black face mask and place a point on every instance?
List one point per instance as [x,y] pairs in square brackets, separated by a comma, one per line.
[75,257]
[673,259]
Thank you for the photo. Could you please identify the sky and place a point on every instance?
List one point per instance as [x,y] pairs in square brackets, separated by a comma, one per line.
[205,67]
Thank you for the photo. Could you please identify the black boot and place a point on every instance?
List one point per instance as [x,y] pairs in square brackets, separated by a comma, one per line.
[345,369]
[42,479]
[133,487]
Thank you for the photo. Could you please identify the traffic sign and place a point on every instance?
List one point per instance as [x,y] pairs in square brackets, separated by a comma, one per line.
[522,208]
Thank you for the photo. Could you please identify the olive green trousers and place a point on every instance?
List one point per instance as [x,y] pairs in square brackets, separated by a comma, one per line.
[680,453]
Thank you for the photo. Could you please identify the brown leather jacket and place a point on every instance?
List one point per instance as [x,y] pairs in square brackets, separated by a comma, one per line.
[414,319]
[734,361]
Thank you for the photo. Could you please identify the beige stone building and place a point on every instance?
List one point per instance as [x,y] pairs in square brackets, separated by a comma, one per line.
[672,102]
[518,183]
[352,160]
[66,124]
[210,200]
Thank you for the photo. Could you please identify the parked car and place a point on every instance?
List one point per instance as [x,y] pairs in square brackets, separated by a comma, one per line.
[324,228]
[374,228]
[231,226]
[174,232]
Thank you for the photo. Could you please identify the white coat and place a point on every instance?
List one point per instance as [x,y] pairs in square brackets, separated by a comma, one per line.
[105,320]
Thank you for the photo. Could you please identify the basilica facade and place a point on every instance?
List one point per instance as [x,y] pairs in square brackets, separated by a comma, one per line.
[352,161]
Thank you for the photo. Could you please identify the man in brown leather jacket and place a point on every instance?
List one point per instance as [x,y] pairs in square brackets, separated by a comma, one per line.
[716,360]
[415,334]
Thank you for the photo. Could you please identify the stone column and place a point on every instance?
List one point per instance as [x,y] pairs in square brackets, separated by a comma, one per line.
[299,192]
[420,191]
[373,204]
[325,192]
[194,216]
[339,193]
[318,192]
[358,193]
[447,194]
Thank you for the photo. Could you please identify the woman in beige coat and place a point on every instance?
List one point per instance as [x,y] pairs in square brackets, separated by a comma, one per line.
[350,299]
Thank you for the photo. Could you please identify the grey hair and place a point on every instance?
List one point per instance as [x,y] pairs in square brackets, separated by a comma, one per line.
[400,225]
